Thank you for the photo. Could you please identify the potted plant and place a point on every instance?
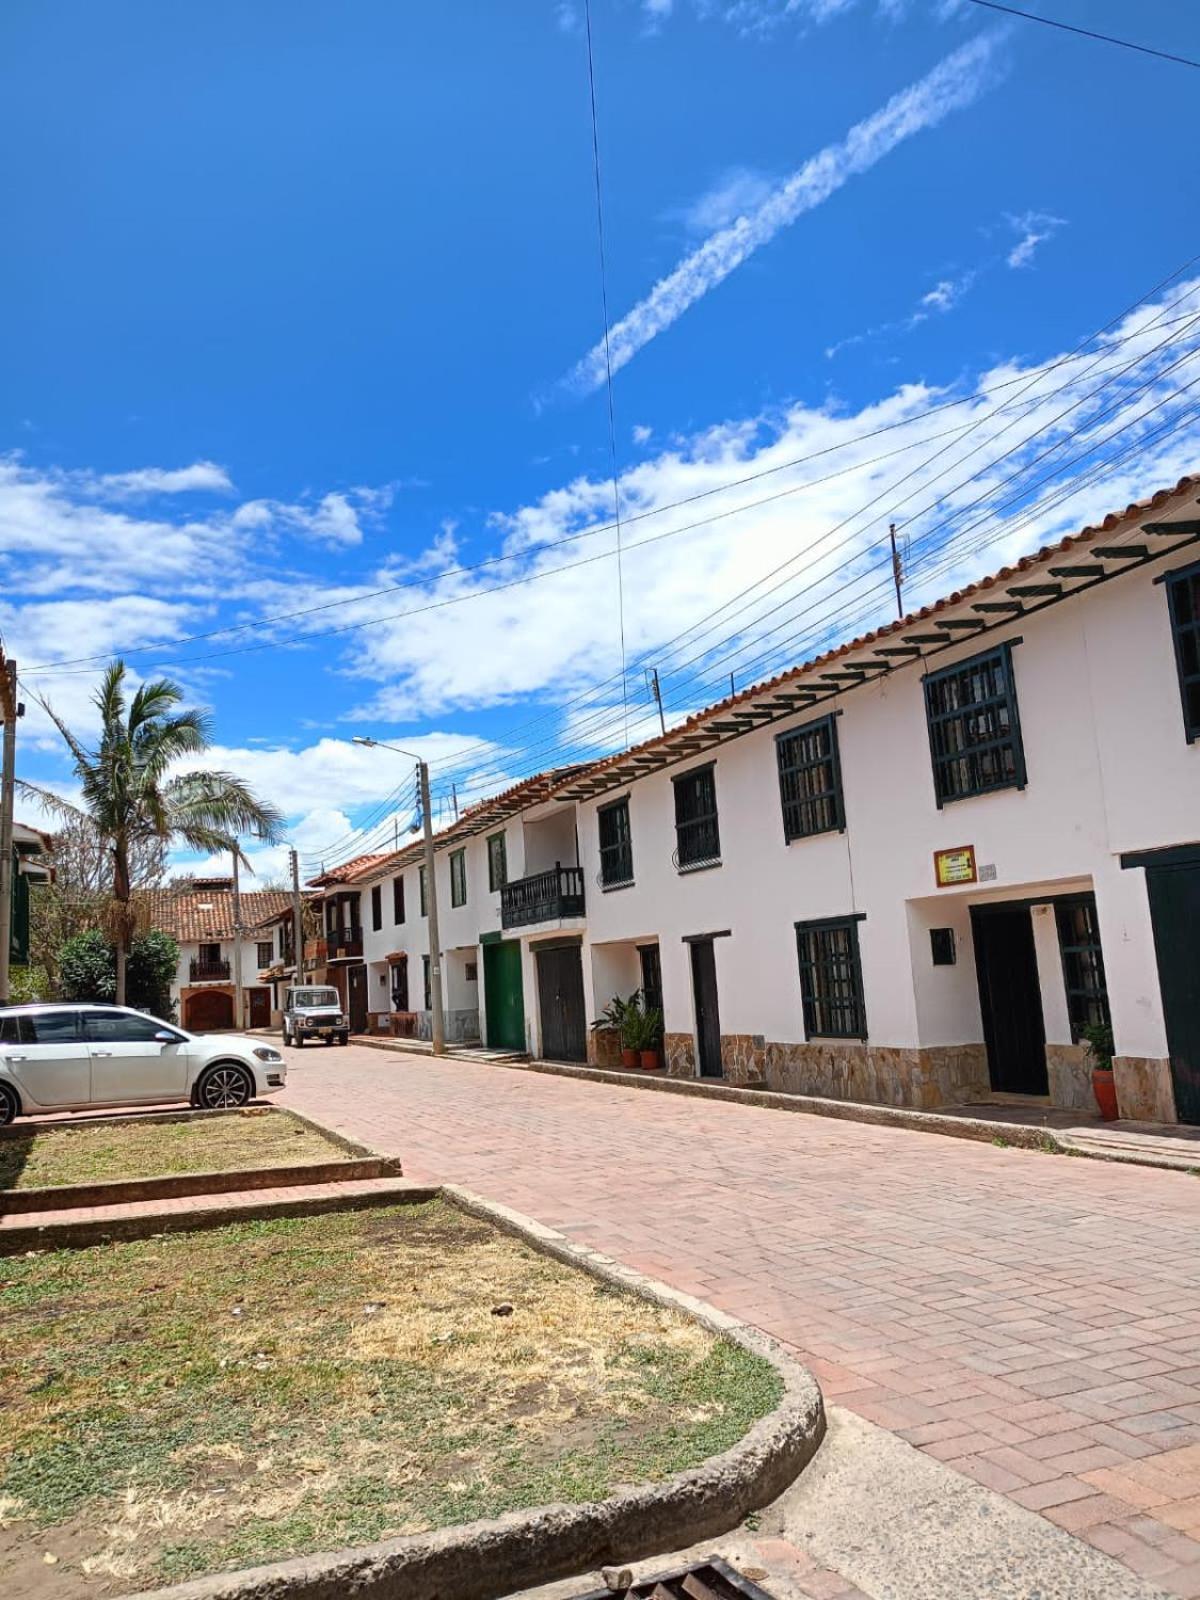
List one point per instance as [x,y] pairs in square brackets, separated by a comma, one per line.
[650,1038]
[623,1018]
[1099,1039]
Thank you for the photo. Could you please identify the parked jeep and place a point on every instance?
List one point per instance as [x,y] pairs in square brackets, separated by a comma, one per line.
[314,1012]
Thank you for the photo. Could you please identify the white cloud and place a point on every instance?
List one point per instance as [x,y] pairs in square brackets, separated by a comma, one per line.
[943,297]
[336,519]
[201,475]
[954,83]
[641,433]
[737,192]
[1034,227]
[947,292]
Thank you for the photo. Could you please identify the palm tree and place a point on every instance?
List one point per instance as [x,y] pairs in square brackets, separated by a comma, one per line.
[135,806]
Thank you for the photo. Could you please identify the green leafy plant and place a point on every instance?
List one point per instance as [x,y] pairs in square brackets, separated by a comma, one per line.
[619,1015]
[649,1029]
[1099,1039]
[88,970]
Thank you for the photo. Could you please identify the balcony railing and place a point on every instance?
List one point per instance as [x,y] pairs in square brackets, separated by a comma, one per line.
[345,941]
[210,971]
[545,897]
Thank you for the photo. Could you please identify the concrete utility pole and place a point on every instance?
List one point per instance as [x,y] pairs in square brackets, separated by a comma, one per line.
[297,921]
[431,904]
[8,779]
[238,1002]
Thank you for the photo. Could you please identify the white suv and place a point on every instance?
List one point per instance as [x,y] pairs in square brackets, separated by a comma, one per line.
[73,1057]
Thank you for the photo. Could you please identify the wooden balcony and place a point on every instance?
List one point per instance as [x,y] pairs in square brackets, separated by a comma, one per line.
[345,942]
[544,897]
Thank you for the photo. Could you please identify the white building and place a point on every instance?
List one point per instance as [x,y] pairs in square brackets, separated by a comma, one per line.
[199,914]
[911,871]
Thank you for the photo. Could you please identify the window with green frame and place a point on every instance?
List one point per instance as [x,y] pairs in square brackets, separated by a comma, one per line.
[1183,597]
[424,891]
[616,844]
[974,729]
[810,779]
[497,862]
[1083,964]
[458,877]
[831,978]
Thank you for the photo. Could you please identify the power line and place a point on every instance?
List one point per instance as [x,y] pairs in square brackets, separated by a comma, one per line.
[1087,33]
[162,647]
[612,414]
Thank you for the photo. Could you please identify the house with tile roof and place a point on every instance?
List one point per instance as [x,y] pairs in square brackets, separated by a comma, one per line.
[214,933]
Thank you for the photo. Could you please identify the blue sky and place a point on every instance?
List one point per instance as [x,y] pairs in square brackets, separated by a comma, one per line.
[305,303]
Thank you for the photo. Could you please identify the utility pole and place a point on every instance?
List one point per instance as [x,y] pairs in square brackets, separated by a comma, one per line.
[897,572]
[297,921]
[652,674]
[8,778]
[435,943]
[238,1002]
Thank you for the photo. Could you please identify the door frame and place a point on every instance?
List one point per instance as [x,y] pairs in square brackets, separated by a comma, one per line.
[551,947]
[978,913]
[692,940]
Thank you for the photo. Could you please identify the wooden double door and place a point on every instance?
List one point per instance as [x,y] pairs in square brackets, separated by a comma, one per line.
[561,1003]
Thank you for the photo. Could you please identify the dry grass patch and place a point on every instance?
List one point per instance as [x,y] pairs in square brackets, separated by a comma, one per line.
[104,1153]
[203,1402]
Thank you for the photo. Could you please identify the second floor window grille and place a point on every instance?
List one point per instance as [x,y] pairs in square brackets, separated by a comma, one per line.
[377,908]
[1083,964]
[458,878]
[616,844]
[266,953]
[497,863]
[1183,594]
[398,899]
[810,780]
[974,729]
[697,837]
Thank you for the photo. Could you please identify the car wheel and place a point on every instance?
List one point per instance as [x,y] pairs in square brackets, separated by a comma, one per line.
[298,1041]
[287,1038]
[344,1038]
[10,1106]
[223,1086]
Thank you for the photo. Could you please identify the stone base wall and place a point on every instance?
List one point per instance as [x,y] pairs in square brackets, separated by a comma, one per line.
[679,1051]
[462,1027]
[1145,1090]
[743,1059]
[1070,1073]
[604,1048]
[917,1079]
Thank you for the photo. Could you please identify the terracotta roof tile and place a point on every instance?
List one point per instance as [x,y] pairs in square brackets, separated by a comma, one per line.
[194,915]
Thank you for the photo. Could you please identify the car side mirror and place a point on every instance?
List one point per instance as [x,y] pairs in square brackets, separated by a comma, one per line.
[163,1037]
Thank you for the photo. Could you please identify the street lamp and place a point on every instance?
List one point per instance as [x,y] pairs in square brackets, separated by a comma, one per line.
[435,949]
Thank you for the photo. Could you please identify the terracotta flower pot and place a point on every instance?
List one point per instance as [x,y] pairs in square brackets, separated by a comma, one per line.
[649,1060]
[629,1060]
[1105,1090]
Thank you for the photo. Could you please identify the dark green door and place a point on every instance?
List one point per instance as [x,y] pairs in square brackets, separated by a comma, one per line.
[1175,912]
[504,995]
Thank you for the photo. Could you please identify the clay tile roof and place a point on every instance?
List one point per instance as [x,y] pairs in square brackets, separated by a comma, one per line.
[1086,535]
[195,916]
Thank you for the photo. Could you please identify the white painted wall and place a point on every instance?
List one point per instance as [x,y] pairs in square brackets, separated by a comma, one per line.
[1109,770]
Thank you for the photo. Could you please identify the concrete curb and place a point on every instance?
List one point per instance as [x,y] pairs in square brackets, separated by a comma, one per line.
[485,1560]
[1019,1134]
[76,1235]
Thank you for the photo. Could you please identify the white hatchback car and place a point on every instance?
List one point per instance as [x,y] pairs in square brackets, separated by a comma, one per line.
[72,1057]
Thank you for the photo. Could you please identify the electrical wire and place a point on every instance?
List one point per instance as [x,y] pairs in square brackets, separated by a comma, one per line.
[1086,33]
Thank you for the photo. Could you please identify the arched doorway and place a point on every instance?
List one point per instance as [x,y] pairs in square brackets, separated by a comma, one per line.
[209,1011]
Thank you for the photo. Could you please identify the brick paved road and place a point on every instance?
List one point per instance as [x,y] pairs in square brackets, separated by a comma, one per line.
[1032,1320]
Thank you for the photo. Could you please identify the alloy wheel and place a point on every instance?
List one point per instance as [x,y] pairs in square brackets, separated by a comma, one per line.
[223,1087]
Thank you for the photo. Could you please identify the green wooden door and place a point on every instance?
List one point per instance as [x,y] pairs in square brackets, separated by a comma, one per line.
[504,995]
[1175,912]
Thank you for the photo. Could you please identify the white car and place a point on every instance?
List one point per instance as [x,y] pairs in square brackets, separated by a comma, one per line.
[73,1057]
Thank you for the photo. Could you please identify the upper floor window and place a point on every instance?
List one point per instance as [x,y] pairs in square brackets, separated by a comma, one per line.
[421,884]
[974,729]
[1083,964]
[377,907]
[458,877]
[810,779]
[697,838]
[1183,595]
[497,863]
[265,953]
[398,900]
[831,979]
[616,844]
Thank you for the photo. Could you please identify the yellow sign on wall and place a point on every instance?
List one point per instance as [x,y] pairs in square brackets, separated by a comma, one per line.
[951,867]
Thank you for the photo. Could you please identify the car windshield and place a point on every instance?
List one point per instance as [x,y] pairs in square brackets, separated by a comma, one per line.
[315,997]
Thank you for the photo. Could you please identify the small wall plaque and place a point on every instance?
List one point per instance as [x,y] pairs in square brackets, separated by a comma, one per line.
[951,867]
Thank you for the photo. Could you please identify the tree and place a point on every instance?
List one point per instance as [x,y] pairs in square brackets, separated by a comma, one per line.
[133,804]
[88,970]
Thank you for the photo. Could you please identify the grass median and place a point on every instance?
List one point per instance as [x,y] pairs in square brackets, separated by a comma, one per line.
[195,1403]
